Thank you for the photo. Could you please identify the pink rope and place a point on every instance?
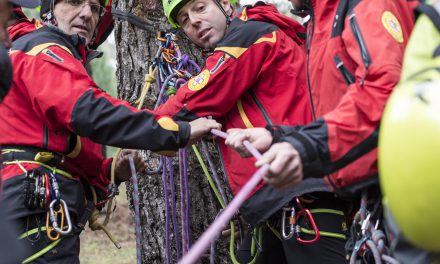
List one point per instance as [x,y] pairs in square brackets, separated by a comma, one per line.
[217,226]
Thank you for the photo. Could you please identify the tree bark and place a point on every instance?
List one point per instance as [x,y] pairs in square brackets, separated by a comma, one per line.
[135,49]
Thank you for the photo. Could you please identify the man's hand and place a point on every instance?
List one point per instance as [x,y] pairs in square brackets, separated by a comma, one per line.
[285,166]
[260,138]
[123,170]
[201,127]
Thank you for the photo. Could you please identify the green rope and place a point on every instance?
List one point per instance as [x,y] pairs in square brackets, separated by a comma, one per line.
[323,233]
[55,170]
[328,211]
[31,232]
[208,176]
[44,250]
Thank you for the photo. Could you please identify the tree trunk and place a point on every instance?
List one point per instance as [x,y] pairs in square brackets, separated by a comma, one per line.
[135,49]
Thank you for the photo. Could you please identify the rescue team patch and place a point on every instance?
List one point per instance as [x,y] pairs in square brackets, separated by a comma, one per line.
[392,25]
[200,81]
[168,124]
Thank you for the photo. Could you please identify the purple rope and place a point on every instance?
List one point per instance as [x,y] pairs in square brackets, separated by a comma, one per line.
[179,82]
[185,176]
[167,220]
[212,232]
[182,203]
[193,63]
[173,206]
[136,209]
[162,89]
[183,63]
[214,171]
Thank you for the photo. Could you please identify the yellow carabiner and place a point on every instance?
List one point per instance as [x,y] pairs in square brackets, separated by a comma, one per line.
[50,230]
[54,216]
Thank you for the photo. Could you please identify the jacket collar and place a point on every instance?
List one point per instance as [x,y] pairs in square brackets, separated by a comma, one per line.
[77,43]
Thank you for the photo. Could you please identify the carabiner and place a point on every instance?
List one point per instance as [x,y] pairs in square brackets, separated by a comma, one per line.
[55,186]
[365,224]
[309,218]
[54,217]
[50,229]
[292,223]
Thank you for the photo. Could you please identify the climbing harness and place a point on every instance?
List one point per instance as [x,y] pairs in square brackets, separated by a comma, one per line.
[41,191]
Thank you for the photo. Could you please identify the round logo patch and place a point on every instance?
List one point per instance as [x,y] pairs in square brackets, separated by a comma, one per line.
[392,25]
[198,82]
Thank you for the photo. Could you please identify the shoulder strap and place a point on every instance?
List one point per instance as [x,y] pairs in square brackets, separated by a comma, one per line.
[431,12]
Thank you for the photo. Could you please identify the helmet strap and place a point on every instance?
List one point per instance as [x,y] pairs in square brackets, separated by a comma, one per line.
[228,17]
[50,16]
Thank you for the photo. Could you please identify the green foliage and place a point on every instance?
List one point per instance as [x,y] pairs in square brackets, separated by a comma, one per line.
[103,69]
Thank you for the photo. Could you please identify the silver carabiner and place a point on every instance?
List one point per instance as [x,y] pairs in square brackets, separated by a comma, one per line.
[365,224]
[292,223]
[54,217]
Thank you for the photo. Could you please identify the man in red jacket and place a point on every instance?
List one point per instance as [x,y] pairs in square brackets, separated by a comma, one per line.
[254,77]
[52,125]
[355,51]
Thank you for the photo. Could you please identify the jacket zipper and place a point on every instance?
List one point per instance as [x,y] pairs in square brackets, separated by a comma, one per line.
[348,77]
[310,29]
[260,106]
[365,55]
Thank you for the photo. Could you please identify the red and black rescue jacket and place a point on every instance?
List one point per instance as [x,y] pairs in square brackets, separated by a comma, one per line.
[54,105]
[255,77]
[354,58]
[354,64]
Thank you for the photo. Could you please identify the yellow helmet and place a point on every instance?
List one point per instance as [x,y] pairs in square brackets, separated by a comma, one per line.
[409,140]
[409,161]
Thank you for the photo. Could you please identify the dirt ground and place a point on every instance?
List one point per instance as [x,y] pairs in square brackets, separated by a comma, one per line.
[97,248]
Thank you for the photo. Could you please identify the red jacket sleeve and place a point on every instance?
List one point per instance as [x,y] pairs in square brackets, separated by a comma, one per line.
[64,95]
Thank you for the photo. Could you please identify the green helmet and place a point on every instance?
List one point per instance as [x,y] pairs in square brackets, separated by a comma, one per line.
[172,7]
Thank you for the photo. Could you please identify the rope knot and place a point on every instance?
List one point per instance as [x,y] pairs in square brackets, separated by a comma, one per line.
[150,78]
